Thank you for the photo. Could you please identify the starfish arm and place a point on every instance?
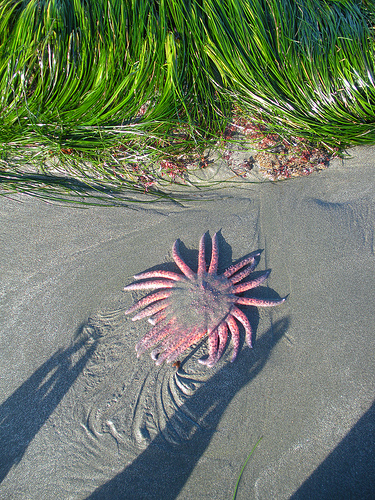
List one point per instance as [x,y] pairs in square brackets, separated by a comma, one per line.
[159,274]
[152,309]
[152,284]
[223,338]
[233,327]
[176,337]
[242,287]
[149,299]
[181,264]
[242,318]
[212,349]
[202,257]
[157,317]
[154,354]
[214,255]
[249,301]
[244,262]
[243,274]
[155,335]
[172,349]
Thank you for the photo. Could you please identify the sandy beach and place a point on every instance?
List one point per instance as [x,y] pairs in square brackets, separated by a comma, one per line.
[82,418]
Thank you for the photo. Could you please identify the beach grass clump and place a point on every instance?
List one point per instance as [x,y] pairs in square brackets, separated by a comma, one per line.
[107,88]
[309,65]
[103,92]
[94,75]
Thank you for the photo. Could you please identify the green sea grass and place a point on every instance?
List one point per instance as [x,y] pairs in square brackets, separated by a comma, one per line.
[309,65]
[102,92]
[244,465]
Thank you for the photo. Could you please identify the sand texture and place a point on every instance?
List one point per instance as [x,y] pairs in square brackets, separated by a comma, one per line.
[82,418]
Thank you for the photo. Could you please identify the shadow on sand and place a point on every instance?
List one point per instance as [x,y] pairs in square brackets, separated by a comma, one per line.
[28,408]
[161,471]
[349,471]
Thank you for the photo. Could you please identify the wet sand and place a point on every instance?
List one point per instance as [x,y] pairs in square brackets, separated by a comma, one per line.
[82,417]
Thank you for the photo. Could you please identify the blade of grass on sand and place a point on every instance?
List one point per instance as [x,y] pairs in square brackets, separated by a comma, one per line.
[244,465]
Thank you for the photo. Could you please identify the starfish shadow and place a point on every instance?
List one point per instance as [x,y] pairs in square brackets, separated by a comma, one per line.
[161,471]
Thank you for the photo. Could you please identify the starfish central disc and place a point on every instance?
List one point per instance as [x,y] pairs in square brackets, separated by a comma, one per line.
[204,301]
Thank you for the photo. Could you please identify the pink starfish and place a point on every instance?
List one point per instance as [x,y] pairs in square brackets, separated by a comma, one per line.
[190,305]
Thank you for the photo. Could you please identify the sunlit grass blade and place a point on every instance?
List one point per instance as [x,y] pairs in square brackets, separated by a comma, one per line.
[305,66]
[157,80]
[244,465]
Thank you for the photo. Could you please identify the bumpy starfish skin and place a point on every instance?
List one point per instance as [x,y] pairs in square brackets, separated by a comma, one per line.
[190,305]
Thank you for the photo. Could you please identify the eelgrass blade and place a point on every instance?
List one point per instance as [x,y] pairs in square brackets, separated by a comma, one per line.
[244,465]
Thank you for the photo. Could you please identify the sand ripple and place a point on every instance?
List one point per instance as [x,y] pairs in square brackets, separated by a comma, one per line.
[131,400]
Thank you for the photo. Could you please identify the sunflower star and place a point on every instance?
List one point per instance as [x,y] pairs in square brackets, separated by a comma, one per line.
[190,305]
